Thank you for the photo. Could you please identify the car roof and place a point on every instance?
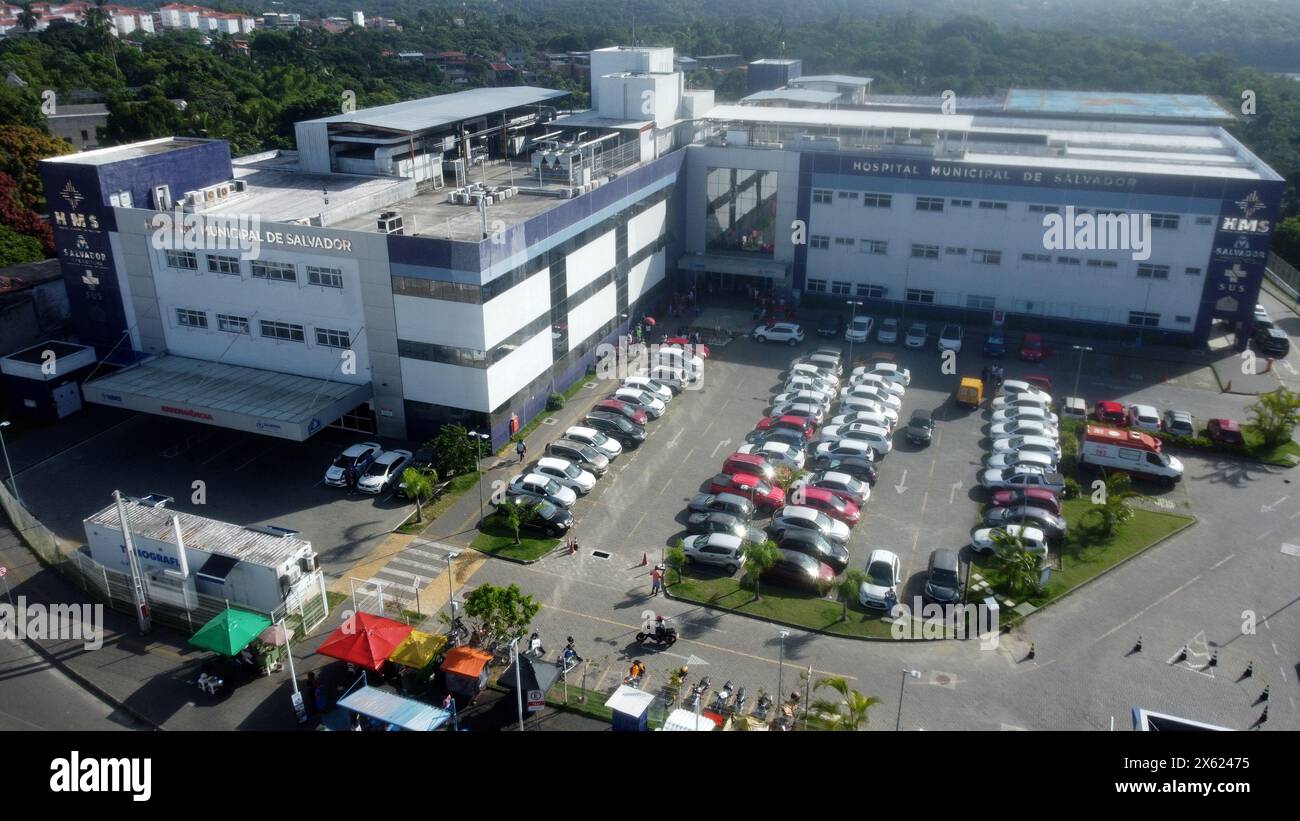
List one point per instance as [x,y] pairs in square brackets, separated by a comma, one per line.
[551,461]
[1110,405]
[944,558]
[837,476]
[880,554]
[390,456]
[729,540]
[1145,410]
[581,430]
[922,413]
[731,498]
[1227,424]
[360,447]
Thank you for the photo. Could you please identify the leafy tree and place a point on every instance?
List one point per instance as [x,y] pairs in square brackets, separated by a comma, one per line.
[677,558]
[849,587]
[456,449]
[786,477]
[760,558]
[499,613]
[1020,567]
[1112,509]
[16,248]
[21,150]
[22,220]
[516,515]
[1275,415]
[852,709]
[27,19]
[419,485]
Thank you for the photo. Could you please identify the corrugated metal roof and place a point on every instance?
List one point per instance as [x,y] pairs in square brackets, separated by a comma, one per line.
[444,109]
[796,95]
[839,79]
[209,535]
[1116,104]
[841,118]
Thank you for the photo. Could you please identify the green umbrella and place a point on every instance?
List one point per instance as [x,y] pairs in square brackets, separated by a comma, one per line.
[230,631]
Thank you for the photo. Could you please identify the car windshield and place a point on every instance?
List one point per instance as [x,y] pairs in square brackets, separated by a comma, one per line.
[859,325]
[823,521]
[344,462]
[763,487]
[599,438]
[377,469]
[1031,342]
[572,471]
[950,332]
[889,325]
[834,501]
[552,486]
[881,573]
[945,577]
[545,509]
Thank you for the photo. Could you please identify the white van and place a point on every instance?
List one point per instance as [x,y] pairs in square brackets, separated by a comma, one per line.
[1131,451]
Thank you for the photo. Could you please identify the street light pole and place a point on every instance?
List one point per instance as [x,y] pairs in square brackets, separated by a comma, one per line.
[451,594]
[1082,349]
[519,687]
[13,482]
[898,723]
[780,670]
[478,468]
[853,304]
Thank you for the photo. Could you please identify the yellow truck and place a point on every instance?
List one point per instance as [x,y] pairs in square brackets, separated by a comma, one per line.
[970,391]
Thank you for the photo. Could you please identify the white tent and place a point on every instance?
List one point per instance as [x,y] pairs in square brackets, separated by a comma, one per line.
[687,721]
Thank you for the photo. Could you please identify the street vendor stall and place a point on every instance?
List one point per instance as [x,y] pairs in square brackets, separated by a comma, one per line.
[365,640]
[392,711]
[466,669]
[686,721]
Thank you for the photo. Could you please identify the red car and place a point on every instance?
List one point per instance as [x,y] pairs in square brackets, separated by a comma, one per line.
[701,350]
[1225,432]
[749,464]
[626,408]
[1043,383]
[800,570]
[750,487]
[1028,497]
[1031,348]
[1111,413]
[802,424]
[830,504]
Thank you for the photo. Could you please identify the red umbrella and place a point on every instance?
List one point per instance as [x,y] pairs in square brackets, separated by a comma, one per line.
[650,321]
[365,640]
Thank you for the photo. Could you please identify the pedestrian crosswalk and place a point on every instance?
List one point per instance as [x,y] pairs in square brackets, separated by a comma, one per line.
[411,570]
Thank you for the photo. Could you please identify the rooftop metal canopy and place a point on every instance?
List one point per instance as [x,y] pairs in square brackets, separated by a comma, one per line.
[229,396]
[797,95]
[445,109]
[1103,104]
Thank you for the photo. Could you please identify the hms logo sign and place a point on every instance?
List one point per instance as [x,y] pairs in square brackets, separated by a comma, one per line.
[71,195]
[1250,204]
[1246,223]
[124,775]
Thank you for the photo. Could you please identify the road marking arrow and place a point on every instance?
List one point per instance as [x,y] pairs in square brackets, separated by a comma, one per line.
[902,484]
[720,445]
[694,659]
[956,486]
[1272,507]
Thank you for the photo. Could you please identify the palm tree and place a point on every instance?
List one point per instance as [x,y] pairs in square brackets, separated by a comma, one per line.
[852,709]
[759,559]
[1113,509]
[26,18]
[849,587]
[418,485]
[1020,566]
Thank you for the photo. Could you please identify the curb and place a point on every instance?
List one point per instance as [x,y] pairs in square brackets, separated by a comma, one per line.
[770,620]
[90,686]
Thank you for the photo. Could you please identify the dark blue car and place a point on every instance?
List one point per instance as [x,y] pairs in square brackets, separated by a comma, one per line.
[995,345]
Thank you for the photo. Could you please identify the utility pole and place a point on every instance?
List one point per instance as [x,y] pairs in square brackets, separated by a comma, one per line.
[1082,349]
[138,596]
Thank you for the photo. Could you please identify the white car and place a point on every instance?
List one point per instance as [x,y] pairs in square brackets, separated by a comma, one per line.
[778,454]
[724,550]
[876,380]
[651,386]
[859,329]
[1144,417]
[787,332]
[384,471]
[676,358]
[1033,458]
[860,404]
[889,370]
[803,382]
[596,439]
[1021,400]
[814,412]
[803,368]
[1019,388]
[566,473]
[879,438]
[542,488]
[981,541]
[806,397]
[846,447]
[1030,414]
[840,484]
[950,338]
[874,393]
[635,396]
[1023,427]
[876,418]
[917,333]
[884,575]
[801,518]
[358,457]
[1039,444]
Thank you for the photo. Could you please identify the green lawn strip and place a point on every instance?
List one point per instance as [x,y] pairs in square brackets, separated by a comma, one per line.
[1084,556]
[799,609]
[496,539]
[432,510]
[1278,455]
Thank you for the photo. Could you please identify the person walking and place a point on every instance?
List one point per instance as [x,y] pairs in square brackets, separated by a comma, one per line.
[521,450]
[657,580]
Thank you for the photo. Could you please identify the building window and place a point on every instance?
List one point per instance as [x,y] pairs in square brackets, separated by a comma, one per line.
[980,303]
[1069,260]
[1166,221]
[1036,257]
[877,200]
[218,264]
[232,324]
[191,319]
[326,277]
[1044,209]
[918,295]
[1193,272]
[995,206]
[283,330]
[870,291]
[279,271]
[874,246]
[816,286]
[183,259]
[955,252]
[818,241]
[1102,263]
[920,251]
[822,196]
[332,339]
[839,288]
[1205,220]
[1183,320]
[847,195]
[960,203]
[981,256]
[1143,319]
[929,203]
[847,242]
[1148,271]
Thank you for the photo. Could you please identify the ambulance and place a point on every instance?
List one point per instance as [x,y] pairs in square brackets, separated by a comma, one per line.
[1131,451]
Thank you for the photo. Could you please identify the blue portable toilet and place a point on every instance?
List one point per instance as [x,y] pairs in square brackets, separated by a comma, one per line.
[631,709]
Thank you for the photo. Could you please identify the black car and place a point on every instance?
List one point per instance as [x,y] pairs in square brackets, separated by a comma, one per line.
[920,428]
[584,456]
[943,577]
[724,523]
[737,506]
[617,427]
[785,436]
[1271,341]
[830,325]
[550,519]
[422,460]
[995,345]
[855,466]
[805,541]
[1053,526]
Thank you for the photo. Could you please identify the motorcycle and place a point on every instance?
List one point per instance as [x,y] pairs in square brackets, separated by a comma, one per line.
[698,691]
[763,707]
[738,707]
[666,637]
[721,697]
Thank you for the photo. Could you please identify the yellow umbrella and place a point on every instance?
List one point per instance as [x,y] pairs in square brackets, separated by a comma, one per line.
[418,650]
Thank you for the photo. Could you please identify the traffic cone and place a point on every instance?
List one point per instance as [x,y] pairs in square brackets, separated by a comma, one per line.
[1182,655]
[1264,695]
[1032,651]
[1263,717]
[645,558]
[1214,659]
[1250,670]
[1137,648]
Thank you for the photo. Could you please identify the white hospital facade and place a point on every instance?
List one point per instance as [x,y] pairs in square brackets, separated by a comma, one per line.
[459,258]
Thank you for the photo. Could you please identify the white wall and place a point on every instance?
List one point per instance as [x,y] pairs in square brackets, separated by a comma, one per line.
[443,384]
[589,262]
[507,377]
[590,316]
[517,307]
[646,227]
[440,322]
[644,276]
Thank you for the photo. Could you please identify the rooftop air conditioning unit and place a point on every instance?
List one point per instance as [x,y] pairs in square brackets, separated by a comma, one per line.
[390,222]
[239,186]
[223,191]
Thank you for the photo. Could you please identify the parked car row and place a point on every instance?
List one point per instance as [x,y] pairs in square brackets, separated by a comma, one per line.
[369,468]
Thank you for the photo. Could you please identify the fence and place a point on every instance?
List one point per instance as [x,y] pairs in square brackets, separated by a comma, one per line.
[302,611]
[1283,274]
